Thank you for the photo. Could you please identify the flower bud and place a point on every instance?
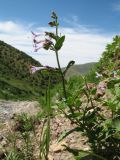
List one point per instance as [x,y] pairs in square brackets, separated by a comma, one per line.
[51,35]
[53,15]
[52,24]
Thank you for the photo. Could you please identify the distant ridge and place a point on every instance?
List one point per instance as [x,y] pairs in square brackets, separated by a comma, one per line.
[80,69]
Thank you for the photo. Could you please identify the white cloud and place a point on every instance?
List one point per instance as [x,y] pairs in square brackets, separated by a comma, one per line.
[80,46]
[16,34]
[10,27]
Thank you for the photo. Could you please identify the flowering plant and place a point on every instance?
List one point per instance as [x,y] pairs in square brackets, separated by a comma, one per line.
[54,42]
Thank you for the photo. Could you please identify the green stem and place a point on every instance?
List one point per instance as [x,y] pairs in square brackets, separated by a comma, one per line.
[57,27]
[62,75]
[60,70]
[63,80]
[48,121]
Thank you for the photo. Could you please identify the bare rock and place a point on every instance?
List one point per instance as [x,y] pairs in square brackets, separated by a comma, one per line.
[101,88]
[10,108]
[58,147]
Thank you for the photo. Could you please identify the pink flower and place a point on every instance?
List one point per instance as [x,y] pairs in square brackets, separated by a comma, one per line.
[42,44]
[37,48]
[38,44]
[33,69]
[102,86]
[35,35]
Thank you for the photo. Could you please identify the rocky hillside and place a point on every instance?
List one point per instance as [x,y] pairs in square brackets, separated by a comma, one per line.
[110,60]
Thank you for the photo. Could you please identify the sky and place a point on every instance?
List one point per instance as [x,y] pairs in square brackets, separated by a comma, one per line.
[89,25]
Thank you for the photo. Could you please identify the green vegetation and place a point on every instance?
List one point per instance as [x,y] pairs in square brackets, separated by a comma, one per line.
[110,60]
[96,106]
[16,81]
[15,78]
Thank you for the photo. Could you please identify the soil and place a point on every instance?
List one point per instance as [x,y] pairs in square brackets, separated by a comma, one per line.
[59,124]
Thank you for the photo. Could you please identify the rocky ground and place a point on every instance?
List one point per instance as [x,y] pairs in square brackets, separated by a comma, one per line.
[58,124]
[9,108]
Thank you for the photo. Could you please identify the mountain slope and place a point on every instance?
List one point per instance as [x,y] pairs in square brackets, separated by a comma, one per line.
[81,69]
[16,81]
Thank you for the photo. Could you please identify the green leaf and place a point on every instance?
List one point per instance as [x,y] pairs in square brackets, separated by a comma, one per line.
[112,82]
[112,103]
[66,133]
[117,91]
[62,135]
[59,43]
[117,125]
[71,63]
[82,155]
[106,125]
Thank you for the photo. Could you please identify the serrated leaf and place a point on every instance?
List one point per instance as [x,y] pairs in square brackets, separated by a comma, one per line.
[59,43]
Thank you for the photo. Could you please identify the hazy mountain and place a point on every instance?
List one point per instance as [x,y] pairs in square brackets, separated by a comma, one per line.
[81,69]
